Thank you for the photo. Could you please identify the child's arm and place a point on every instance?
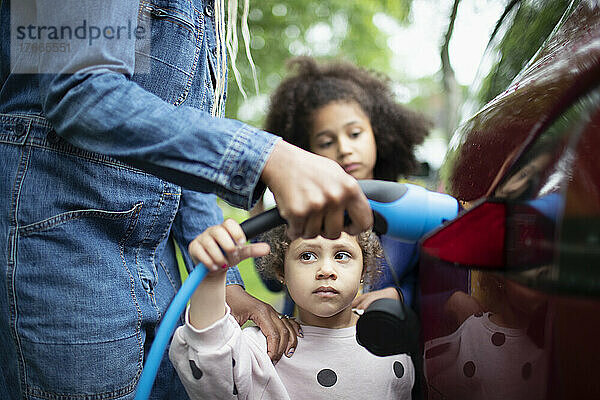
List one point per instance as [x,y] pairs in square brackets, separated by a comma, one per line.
[217,247]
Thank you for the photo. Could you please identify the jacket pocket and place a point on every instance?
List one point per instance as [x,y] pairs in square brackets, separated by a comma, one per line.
[72,282]
[165,63]
[77,317]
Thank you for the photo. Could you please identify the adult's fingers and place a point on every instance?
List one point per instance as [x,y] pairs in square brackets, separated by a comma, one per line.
[296,327]
[361,302]
[333,223]
[278,335]
[295,225]
[359,211]
[295,331]
[313,225]
[277,344]
[312,191]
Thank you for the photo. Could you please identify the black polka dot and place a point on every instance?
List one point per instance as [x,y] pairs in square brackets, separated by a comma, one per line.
[498,338]
[326,377]
[526,371]
[469,369]
[196,372]
[398,369]
[233,362]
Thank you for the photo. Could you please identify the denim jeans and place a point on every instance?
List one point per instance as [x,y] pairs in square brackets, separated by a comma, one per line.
[100,169]
[90,269]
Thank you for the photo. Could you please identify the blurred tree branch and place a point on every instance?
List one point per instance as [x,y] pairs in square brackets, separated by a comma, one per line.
[451,92]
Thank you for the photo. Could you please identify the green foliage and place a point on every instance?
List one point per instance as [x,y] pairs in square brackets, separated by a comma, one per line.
[323,29]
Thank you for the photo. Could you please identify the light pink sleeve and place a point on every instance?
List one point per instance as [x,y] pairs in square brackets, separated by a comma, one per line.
[222,362]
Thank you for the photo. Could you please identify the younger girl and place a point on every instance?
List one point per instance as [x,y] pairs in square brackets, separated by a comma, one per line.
[215,359]
[349,115]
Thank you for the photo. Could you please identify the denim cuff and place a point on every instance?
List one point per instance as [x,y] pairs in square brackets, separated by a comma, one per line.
[244,160]
[234,277]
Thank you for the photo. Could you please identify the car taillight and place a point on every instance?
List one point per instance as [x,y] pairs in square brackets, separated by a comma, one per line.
[530,232]
[515,235]
[475,239]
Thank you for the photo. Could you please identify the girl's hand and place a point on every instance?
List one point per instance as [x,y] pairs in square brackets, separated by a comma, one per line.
[221,246]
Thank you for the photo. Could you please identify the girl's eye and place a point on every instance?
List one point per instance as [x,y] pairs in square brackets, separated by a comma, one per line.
[308,256]
[355,134]
[325,145]
[343,256]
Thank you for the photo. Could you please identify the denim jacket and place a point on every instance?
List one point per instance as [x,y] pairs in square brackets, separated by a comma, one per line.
[106,152]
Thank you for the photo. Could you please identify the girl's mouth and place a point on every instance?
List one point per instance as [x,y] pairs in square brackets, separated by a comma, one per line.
[351,167]
[326,291]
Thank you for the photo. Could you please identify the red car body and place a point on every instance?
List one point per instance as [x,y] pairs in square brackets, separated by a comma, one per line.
[510,289]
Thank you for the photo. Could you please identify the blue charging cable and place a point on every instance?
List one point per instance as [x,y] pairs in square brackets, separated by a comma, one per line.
[165,330]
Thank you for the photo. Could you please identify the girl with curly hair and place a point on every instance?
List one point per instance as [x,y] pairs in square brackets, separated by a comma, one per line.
[349,115]
[216,359]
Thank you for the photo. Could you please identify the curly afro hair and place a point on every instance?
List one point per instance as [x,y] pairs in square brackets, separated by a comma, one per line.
[271,265]
[397,130]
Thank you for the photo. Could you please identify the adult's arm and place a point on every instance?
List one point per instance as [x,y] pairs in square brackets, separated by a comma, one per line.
[93,103]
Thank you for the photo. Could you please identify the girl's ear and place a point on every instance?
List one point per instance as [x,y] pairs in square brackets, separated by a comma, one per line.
[362,276]
[280,278]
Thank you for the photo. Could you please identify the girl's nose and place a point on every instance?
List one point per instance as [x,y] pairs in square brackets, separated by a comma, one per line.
[326,271]
[344,147]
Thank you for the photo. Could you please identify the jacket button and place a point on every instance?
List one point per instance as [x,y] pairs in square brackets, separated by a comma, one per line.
[208,10]
[237,182]
[20,129]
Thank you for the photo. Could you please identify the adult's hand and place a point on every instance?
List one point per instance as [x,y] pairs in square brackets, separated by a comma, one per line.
[281,333]
[364,300]
[313,192]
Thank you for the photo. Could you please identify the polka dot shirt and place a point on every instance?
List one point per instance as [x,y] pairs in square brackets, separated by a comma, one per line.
[482,360]
[222,361]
